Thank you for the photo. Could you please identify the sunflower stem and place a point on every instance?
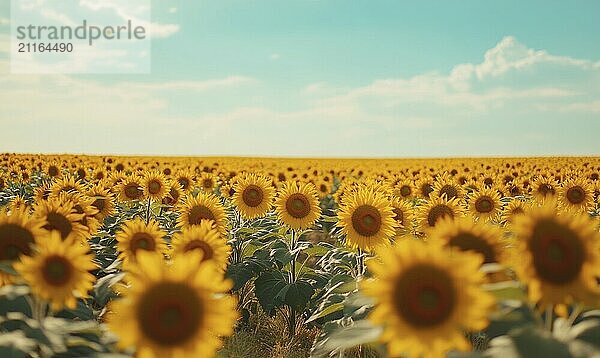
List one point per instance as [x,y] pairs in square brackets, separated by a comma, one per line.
[148,211]
[360,264]
[548,318]
[574,314]
[292,318]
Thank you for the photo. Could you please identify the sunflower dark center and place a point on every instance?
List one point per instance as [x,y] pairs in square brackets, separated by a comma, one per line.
[53,171]
[466,241]
[426,189]
[252,196]
[170,314]
[100,204]
[14,242]
[398,216]
[484,204]
[57,270]
[449,191]
[197,244]
[437,212]
[405,190]
[207,183]
[132,191]
[424,296]
[60,223]
[199,213]
[366,220]
[546,189]
[558,253]
[184,182]
[575,195]
[154,187]
[488,182]
[142,241]
[323,188]
[297,205]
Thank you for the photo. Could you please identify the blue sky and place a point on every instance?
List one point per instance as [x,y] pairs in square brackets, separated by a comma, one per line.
[329,78]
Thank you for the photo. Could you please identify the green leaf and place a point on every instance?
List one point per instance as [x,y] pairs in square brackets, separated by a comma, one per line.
[587,331]
[528,342]
[6,266]
[333,308]
[268,289]
[297,294]
[361,332]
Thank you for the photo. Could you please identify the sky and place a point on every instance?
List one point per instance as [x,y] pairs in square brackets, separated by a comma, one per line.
[328,79]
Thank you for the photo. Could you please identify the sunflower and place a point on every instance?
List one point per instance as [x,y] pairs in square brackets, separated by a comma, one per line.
[103,201]
[485,204]
[544,187]
[367,219]
[130,188]
[558,256]
[136,235]
[405,189]
[297,205]
[208,182]
[186,179]
[42,192]
[253,196]
[82,204]
[58,272]
[18,232]
[205,239]
[155,185]
[174,195]
[425,187]
[66,185]
[60,215]
[435,209]
[576,194]
[180,310]
[402,214]
[19,202]
[467,235]
[204,206]
[513,209]
[323,188]
[426,295]
[444,186]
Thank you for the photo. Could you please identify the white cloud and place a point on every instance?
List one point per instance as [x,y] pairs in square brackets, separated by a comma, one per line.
[514,95]
[274,56]
[4,21]
[172,10]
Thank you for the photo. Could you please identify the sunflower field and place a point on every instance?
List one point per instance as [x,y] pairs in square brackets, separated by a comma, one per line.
[106,256]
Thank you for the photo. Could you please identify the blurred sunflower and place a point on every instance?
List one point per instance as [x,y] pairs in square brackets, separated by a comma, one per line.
[544,187]
[18,231]
[180,310]
[435,209]
[58,271]
[558,256]
[155,185]
[205,239]
[426,295]
[297,205]
[485,204]
[367,219]
[425,186]
[174,195]
[136,235]
[513,209]
[467,235]
[204,206]
[403,214]
[253,196]
[60,215]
